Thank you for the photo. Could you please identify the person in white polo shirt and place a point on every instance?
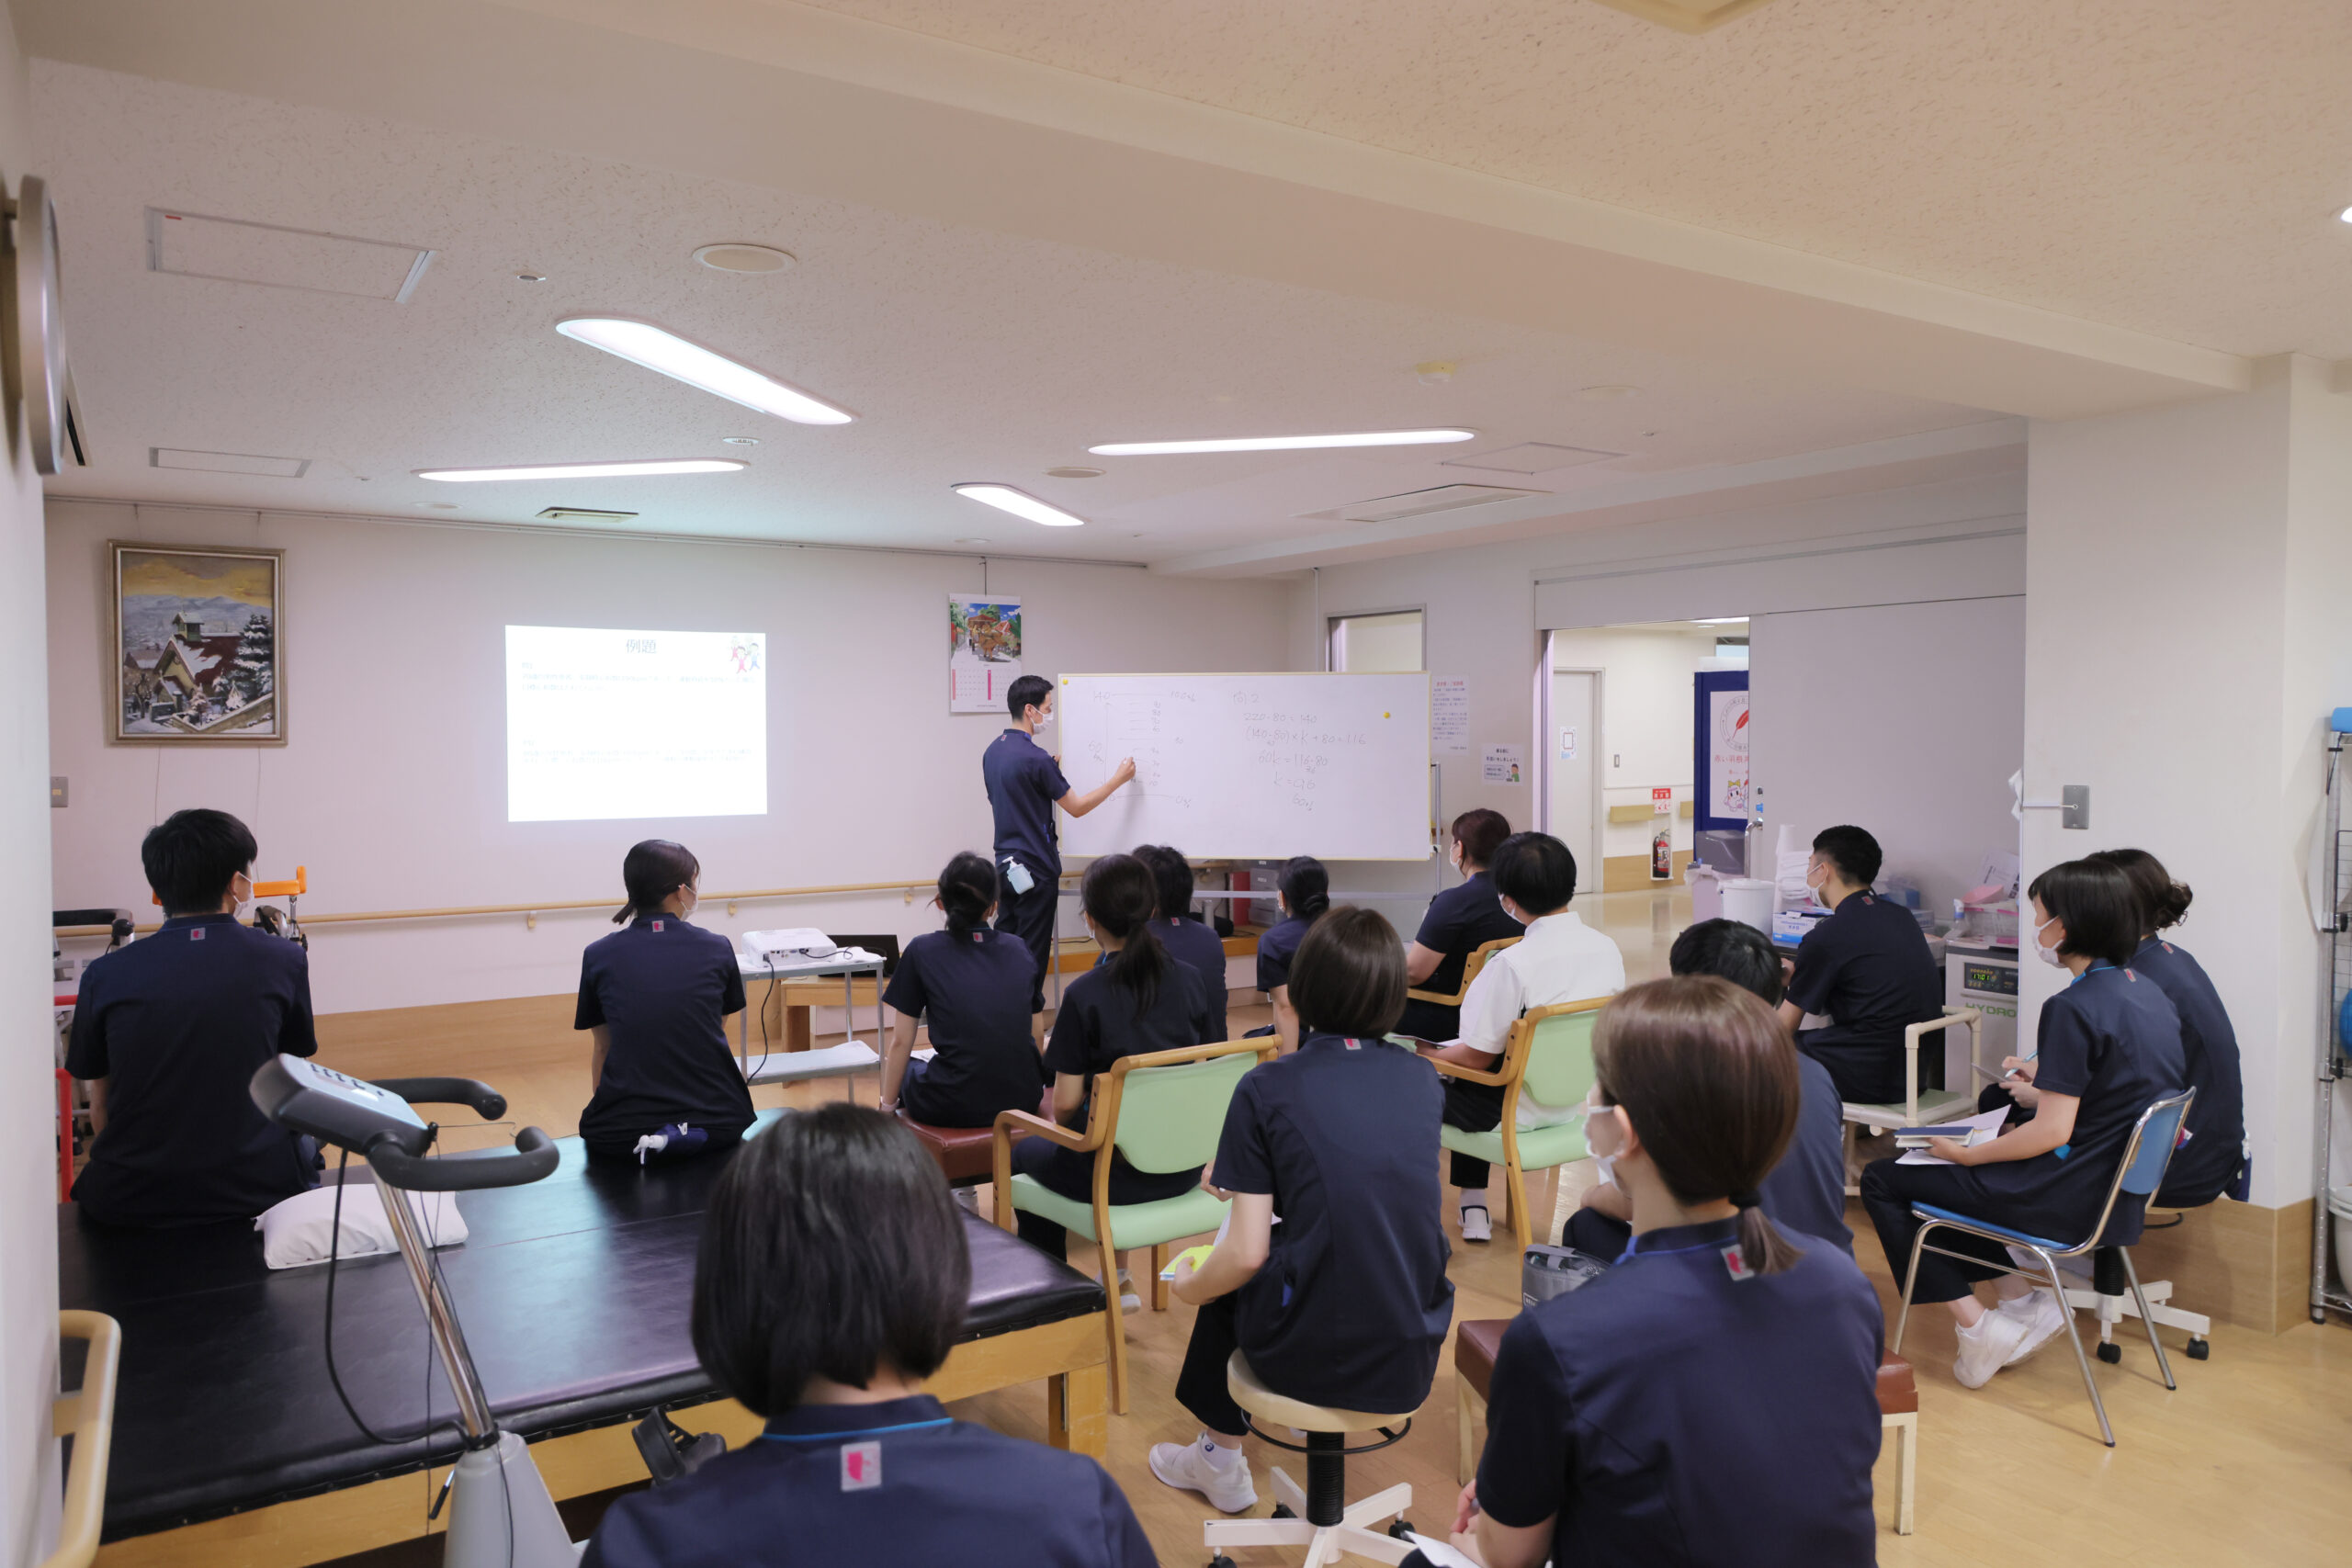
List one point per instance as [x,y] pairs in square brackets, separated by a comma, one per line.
[1560,959]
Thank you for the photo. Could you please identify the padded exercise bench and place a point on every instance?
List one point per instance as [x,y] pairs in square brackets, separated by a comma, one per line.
[1476,1342]
[230,1445]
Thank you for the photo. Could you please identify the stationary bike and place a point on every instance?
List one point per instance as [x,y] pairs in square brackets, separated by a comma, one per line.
[499,1512]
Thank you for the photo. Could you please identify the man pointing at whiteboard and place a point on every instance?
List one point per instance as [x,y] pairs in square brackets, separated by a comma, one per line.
[1025,784]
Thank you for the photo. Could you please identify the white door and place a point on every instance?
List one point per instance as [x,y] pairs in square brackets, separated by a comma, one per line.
[1572,814]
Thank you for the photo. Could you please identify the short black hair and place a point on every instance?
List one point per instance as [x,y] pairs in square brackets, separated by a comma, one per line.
[1030,691]
[1348,976]
[1479,831]
[1730,950]
[651,872]
[192,856]
[1852,851]
[830,1247]
[1171,873]
[2095,902]
[1535,871]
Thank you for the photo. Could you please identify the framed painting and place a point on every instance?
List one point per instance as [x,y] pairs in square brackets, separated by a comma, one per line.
[198,653]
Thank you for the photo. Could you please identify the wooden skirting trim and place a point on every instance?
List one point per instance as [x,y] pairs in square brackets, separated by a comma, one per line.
[2236,1263]
[1631,874]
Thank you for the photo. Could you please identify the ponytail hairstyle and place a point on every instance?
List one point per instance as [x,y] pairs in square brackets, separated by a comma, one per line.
[652,872]
[2163,902]
[1119,895]
[967,891]
[1708,1077]
[1305,887]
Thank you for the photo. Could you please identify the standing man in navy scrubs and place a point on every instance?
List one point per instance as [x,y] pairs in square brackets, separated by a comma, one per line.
[168,1032]
[1024,784]
[1867,967]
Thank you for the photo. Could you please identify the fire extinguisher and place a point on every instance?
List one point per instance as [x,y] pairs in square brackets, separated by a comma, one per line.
[1662,851]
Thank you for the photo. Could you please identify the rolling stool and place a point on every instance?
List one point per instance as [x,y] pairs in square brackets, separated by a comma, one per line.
[2110,1297]
[1318,1519]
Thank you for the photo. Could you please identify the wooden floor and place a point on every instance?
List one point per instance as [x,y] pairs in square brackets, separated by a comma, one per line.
[2250,1461]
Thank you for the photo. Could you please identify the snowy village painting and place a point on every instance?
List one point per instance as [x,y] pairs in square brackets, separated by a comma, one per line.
[196,638]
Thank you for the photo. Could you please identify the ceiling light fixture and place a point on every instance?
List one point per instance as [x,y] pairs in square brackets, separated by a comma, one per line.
[738,441]
[1073,473]
[751,260]
[1722,621]
[1283,443]
[584,470]
[1021,503]
[657,348]
[2345,215]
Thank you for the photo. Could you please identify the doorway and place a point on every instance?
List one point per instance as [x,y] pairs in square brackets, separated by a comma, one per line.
[1572,782]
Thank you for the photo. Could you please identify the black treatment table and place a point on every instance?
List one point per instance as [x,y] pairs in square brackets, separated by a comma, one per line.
[230,1446]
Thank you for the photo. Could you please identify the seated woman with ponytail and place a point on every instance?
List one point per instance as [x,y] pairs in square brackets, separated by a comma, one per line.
[1714,1397]
[655,997]
[1141,1001]
[971,985]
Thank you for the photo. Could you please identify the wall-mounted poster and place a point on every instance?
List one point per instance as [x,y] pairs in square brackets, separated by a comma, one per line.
[1724,785]
[198,653]
[983,651]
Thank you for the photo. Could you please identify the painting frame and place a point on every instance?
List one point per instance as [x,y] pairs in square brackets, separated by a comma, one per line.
[195,674]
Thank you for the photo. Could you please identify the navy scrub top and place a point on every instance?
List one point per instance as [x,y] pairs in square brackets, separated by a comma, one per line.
[1352,1304]
[1275,950]
[1672,1412]
[2112,1039]
[893,1483]
[1099,1022]
[1464,917]
[973,989]
[1192,943]
[2208,1165]
[664,988]
[177,1024]
[1023,781]
[1806,1193]
[1868,967]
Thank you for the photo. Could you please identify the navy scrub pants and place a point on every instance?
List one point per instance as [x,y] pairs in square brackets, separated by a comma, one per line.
[1473,1107]
[1590,1231]
[1030,916]
[1070,1173]
[1201,1387]
[1890,1187]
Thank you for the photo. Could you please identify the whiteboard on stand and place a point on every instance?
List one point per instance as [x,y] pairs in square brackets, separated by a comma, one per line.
[1251,767]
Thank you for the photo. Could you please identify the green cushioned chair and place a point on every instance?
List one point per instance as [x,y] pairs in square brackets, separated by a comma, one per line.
[1164,1111]
[1548,1056]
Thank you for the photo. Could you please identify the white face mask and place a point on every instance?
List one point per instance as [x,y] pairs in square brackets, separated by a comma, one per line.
[2047,955]
[1812,889]
[1605,1164]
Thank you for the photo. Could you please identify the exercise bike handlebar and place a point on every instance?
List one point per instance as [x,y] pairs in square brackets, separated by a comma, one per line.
[533,1156]
[484,1101]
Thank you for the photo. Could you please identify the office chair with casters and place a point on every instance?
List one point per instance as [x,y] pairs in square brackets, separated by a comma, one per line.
[2140,1173]
[1549,1055]
[1319,1517]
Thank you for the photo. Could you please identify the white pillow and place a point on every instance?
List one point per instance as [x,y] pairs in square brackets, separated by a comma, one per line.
[299,1230]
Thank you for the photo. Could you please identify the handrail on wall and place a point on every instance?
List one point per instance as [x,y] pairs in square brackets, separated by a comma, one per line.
[87,1416]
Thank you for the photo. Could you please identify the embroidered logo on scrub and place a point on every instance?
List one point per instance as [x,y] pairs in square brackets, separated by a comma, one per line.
[657,925]
[1737,1262]
[861,1466]
[196,933]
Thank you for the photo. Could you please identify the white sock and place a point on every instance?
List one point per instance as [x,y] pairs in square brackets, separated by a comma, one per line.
[1473,1200]
[1219,1455]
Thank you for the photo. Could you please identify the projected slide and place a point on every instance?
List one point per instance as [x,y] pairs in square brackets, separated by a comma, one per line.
[605,724]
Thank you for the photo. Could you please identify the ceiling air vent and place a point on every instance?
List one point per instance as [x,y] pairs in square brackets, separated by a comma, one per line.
[194,246]
[584,515]
[1531,458]
[227,463]
[1419,503]
[1685,16]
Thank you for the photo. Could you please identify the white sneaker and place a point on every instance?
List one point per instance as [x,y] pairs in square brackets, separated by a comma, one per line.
[1475,1224]
[1222,1475]
[1987,1348]
[2042,1318]
[1128,1300]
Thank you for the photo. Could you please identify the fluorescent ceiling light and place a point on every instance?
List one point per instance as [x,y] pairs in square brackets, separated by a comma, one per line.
[1021,503]
[642,343]
[584,470]
[1283,443]
[2345,215]
[1723,621]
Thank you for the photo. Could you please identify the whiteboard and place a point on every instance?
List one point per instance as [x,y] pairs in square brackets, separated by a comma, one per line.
[1251,767]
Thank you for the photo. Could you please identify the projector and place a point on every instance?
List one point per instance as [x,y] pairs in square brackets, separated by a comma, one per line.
[799,941]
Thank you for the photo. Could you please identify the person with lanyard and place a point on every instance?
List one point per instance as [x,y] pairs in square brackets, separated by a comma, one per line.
[168,1032]
[1188,940]
[969,986]
[1024,784]
[2107,1047]
[1804,1193]
[1714,1397]
[1345,1302]
[1560,959]
[655,997]
[2211,1160]
[1461,919]
[833,1279]
[1867,967]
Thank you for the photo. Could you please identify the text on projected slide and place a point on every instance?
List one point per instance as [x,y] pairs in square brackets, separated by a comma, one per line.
[608,724]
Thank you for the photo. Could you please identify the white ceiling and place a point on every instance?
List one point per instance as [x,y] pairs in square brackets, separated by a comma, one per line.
[2174,168]
[969,355]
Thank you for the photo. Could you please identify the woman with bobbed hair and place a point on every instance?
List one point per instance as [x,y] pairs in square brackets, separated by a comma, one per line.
[655,997]
[2213,1160]
[971,985]
[1714,1398]
[833,1279]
